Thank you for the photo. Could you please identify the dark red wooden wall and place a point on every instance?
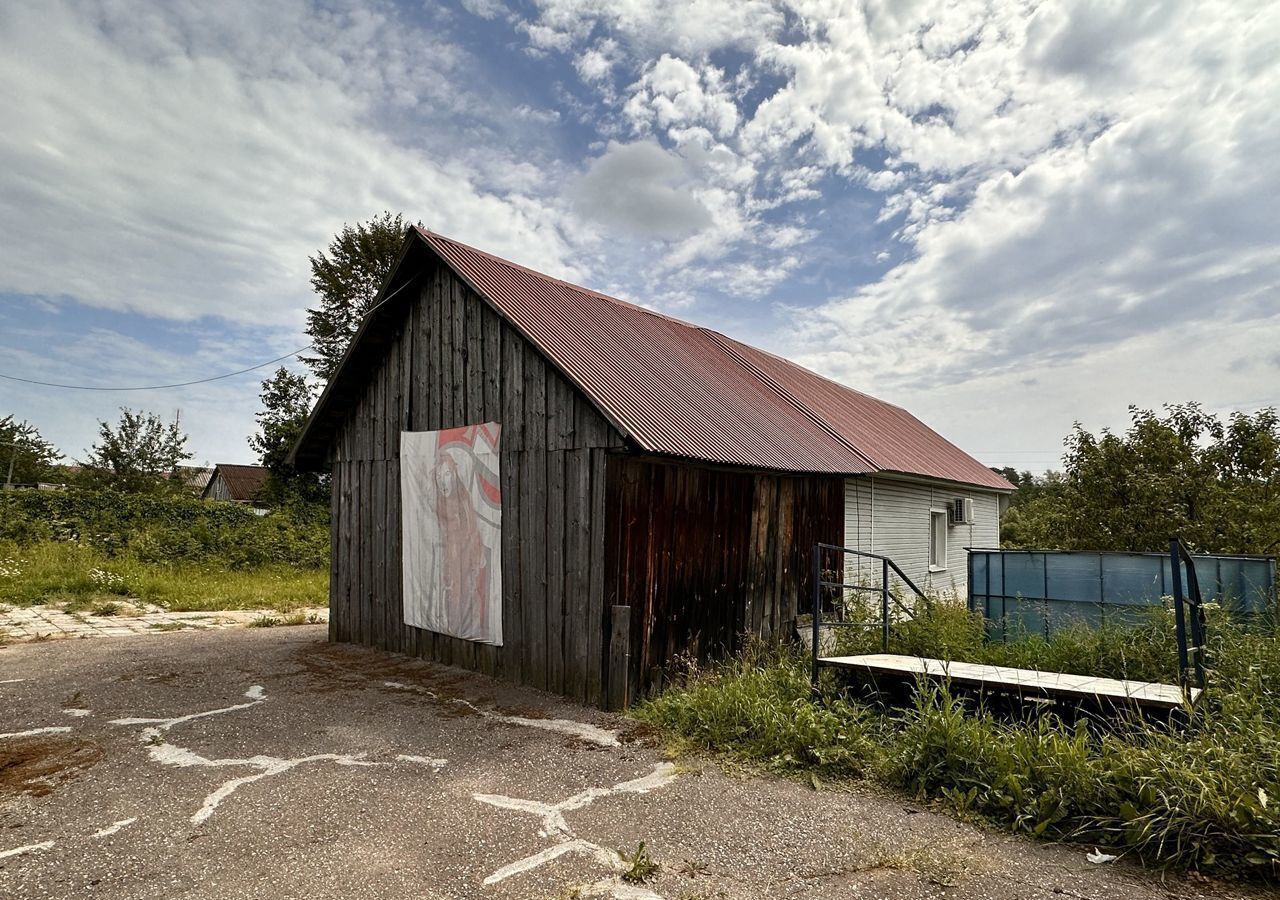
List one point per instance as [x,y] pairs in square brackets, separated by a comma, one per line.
[704,556]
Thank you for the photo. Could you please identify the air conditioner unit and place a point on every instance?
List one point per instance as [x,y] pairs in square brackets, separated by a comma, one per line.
[962,511]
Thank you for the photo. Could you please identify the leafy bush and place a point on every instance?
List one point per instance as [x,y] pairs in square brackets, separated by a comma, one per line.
[761,707]
[164,528]
[1205,798]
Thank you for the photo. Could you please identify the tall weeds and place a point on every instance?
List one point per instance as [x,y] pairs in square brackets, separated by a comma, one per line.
[1207,797]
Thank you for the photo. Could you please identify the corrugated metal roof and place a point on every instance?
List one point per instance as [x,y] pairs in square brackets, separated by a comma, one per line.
[678,389]
[243,482]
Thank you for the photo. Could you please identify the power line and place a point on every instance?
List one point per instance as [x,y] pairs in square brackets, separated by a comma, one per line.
[158,387]
[154,387]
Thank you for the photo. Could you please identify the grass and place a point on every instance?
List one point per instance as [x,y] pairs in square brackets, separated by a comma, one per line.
[85,579]
[1207,798]
[295,618]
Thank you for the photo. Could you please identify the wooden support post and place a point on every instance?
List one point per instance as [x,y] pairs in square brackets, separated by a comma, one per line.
[619,658]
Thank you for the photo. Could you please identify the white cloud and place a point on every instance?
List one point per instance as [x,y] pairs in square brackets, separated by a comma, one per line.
[1103,210]
[641,189]
[649,27]
[673,93]
[213,153]
[596,63]
[485,9]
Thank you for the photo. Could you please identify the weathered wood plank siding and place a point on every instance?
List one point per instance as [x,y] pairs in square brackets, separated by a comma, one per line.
[453,361]
[703,556]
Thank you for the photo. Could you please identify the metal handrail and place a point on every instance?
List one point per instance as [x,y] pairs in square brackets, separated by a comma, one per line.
[886,564]
[1190,657]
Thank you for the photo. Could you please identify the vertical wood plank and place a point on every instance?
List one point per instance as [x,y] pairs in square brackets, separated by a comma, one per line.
[595,624]
[378,581]
[619,658]
[554,553]
[491,364]
[512,390]
[458,347]
[337,526]
[578,571]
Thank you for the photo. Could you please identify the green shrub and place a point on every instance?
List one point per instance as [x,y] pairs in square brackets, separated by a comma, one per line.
[167,528]
[760,708]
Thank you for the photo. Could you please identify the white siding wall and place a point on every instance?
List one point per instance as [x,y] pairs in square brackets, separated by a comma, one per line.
[891,516]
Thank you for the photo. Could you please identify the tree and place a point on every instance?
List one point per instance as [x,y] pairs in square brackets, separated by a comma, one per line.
[347,278]
[140,454]
[25,456]
[1182,473]
[286,403]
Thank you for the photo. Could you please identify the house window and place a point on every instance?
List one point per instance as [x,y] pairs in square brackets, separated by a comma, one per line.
[937,540]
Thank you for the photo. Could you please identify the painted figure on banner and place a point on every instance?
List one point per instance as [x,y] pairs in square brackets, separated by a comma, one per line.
[452,514]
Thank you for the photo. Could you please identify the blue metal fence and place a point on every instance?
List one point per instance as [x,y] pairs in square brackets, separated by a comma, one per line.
[1037,591]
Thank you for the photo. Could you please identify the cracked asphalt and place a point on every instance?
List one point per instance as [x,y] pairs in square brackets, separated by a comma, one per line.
[274,765]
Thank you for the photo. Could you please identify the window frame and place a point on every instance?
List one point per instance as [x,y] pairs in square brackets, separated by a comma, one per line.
[938,538]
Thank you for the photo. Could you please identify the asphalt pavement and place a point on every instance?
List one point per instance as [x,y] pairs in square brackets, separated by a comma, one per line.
[267,763]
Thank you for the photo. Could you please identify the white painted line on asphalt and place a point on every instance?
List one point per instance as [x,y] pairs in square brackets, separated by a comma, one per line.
[114,827]
[12,680]
[78,713]
[582,730]
[616,889]
[555,851]
[170,754]
[53,729]
[29,848]
[431,761]
[255,695]
[555,826]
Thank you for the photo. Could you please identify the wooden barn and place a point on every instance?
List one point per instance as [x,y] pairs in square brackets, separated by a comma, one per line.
[235,483]
[640,488]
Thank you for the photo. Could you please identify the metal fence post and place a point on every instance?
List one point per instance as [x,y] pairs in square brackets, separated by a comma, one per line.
[1179,617]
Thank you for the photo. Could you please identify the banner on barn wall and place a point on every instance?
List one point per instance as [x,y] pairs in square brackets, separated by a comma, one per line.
[452,515]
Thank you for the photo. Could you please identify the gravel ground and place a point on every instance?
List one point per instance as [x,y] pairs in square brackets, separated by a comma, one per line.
[266,763]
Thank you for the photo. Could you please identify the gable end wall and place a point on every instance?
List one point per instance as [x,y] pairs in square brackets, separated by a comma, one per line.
[452,361]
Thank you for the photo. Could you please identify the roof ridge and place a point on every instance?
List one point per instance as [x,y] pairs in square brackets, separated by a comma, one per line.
[428,233]
[772,383]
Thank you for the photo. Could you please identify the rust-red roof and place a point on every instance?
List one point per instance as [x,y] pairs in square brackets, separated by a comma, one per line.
[678,389]
[243,482]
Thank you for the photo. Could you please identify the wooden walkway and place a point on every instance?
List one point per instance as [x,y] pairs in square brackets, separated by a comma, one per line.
[1023,682]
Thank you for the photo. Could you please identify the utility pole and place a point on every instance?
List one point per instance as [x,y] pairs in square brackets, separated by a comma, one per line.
[13,457]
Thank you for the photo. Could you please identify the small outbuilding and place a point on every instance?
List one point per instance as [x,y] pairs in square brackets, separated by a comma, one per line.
[543,483]
[236,483]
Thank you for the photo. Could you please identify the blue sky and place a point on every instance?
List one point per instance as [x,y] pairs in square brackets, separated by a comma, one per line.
[1004,216]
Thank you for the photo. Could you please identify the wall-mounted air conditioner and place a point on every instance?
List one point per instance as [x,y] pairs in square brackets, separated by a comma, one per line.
[962,511]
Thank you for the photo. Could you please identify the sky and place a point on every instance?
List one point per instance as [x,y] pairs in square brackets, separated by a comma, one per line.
[1005,216]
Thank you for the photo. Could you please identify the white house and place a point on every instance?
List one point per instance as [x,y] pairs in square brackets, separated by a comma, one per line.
[923,524]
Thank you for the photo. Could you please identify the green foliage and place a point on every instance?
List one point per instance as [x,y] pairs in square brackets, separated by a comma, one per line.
[348,278]
[167,527]
[140,454]
[25,456]
[1182,473]
[759,706]
[286,403]
[1205,798]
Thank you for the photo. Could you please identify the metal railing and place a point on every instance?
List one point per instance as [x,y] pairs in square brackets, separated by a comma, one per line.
[1188,614]
[884,623]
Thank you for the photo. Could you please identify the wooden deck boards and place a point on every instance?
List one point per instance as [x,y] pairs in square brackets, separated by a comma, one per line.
[1017,681]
